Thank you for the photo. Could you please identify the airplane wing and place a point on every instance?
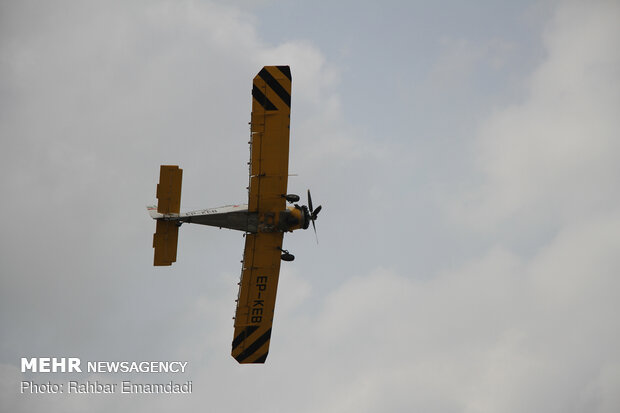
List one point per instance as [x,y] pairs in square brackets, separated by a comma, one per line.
[271,112]
[257,297]
[271,109]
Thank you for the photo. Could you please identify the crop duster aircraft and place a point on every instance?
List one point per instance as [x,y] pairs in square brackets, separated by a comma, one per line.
[264,219]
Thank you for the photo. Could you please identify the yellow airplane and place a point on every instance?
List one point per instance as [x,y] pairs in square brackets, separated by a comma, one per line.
[264,219]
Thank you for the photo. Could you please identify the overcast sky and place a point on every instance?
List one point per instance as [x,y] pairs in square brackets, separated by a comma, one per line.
[465,154]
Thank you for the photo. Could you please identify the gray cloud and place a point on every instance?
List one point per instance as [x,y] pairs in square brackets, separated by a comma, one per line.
[483,284]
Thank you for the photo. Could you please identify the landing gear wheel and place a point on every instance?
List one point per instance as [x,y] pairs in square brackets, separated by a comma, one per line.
[291,198]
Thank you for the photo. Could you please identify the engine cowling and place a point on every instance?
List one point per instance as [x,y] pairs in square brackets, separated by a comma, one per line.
[296,217]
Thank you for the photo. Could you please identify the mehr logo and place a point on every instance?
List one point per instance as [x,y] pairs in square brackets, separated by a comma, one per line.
[51,365]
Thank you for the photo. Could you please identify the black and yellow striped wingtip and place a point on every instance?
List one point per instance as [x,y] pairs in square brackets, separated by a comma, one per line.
[272,88]
[251,345]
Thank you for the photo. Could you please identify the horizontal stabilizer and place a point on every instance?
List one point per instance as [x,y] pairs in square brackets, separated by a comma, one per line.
[169,189]
[165,242]
[168,202]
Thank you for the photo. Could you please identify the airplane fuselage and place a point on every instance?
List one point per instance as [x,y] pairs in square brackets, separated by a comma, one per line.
[237,217]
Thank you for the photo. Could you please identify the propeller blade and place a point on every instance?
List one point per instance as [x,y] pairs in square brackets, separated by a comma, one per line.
[313,215]
[310,202]
[316,212]
[315,234]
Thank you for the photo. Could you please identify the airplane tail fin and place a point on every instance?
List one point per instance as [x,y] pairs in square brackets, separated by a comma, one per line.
[166,234]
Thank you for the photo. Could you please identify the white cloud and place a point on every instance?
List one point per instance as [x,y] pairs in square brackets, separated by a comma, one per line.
[92,104]
[501,333]
[504,332]
[553,156]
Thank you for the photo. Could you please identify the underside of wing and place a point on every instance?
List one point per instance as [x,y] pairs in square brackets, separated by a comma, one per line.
[271,112]
[271,109]
[257,297]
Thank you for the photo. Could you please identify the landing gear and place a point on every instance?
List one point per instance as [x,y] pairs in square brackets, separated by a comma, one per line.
[286,256]
[291,198]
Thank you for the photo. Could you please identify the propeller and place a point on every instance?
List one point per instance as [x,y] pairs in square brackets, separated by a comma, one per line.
[313,214]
